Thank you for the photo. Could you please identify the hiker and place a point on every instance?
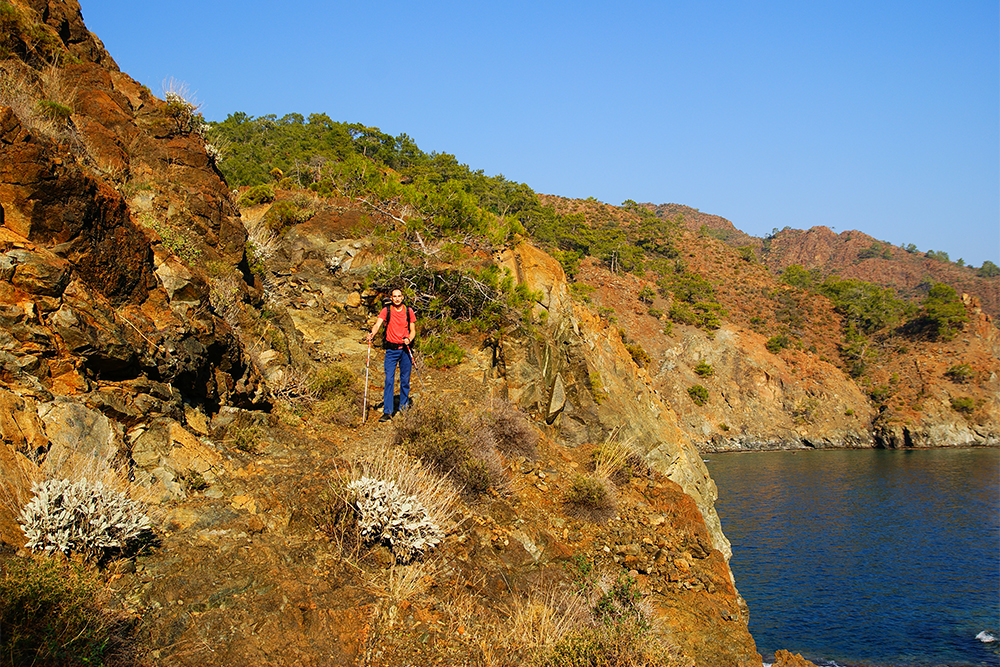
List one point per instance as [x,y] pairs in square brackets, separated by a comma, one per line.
[400,322]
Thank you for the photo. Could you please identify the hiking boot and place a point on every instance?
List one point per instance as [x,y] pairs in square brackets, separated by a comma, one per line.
[384,418]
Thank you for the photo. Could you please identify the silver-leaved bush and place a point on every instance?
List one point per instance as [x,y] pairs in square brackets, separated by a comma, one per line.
[388,514]
[83,517]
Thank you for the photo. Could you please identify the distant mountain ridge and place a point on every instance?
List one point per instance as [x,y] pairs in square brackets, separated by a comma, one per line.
[854,254]
[849,254]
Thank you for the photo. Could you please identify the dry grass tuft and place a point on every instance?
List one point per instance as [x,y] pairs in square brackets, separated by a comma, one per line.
[403,583]
[22,89]
[510,427]
[263,242]
[544,618]
[613,458]
[591,498]
[20,474]
[434,491]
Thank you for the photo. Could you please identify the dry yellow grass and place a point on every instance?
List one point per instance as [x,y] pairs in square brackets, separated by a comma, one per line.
[613,455]
[435,492]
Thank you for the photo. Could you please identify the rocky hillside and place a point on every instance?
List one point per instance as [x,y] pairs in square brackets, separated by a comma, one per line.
[915,390]
[145,343]
[853,254]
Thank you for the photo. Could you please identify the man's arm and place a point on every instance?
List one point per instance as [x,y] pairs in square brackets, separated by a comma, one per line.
[378,325]
[412,334]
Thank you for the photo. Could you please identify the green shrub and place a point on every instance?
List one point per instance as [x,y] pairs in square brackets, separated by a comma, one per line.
[639,355]
[596,386]
[440,353]
[283,214]
[339,394]
[747,254]
[988,270]
[60,613]
[942,314]
[646,294]
[864,305]
[10,25]
[682,314]
[247,438]
[776,344]
[704,369]
[876,250]
[963,404]
[959,373]
[179,242]
[436,433]
[880,393]
[331,381]
[698,394]
[258,194]
[797,276]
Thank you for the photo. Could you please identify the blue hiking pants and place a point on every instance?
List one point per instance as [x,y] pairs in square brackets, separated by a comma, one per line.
[393,358]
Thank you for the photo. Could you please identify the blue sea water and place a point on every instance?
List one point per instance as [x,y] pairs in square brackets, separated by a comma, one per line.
[867,558]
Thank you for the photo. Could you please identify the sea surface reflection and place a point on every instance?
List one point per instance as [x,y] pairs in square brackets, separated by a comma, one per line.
[867,557]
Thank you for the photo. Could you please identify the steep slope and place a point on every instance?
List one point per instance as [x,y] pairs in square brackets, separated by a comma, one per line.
[143,344]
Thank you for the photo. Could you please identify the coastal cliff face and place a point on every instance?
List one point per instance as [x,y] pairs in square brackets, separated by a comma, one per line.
[137,335]
[916,392]
[103,328]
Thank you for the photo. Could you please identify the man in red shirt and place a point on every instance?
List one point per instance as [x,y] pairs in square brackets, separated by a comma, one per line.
[399,332]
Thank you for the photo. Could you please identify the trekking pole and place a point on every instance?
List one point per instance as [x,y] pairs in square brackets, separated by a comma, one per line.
[364,409]
[413,363]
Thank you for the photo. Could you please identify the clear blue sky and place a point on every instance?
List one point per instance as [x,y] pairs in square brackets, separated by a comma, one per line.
[877,116]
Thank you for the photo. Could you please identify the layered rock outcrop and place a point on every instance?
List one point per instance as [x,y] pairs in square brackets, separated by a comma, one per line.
[100,323]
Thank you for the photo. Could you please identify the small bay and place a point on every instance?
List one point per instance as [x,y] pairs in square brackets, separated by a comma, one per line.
[867,558]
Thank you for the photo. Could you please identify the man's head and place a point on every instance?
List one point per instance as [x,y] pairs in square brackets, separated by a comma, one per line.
[397,296]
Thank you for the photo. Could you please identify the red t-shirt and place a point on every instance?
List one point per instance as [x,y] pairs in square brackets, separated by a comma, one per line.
[397,328]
